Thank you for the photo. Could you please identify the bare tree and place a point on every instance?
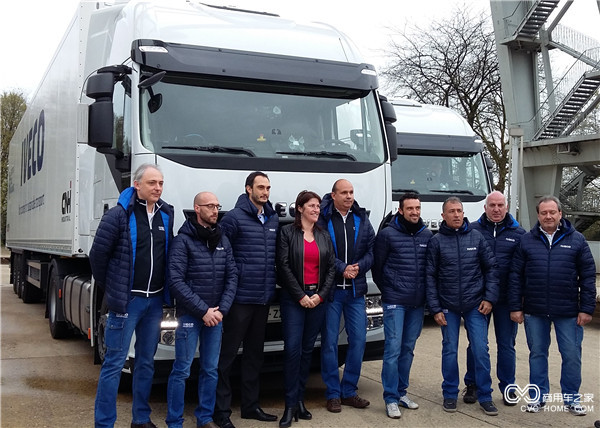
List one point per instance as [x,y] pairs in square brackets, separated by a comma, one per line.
[454,63]
[12,107]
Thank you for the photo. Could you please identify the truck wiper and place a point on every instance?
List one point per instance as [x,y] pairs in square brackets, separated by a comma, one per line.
[460,192]
[215,149]
[322,154]
[404,191]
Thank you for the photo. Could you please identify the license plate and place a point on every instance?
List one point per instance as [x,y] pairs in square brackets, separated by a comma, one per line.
[274,314]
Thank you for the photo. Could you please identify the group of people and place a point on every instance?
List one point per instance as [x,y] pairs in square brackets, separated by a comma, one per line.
[222,276]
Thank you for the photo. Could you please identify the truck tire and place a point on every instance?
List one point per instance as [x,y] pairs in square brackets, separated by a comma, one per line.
[19,274]
[58,329]
[100,347]
[15,273]
[30,293]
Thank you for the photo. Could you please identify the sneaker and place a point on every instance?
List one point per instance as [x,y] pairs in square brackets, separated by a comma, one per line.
[535,407]
[577,409]
[510,399]
[334,405]
[470,394]
[408,403]
[450,405]
[392,410]
[489,408]
[356,402]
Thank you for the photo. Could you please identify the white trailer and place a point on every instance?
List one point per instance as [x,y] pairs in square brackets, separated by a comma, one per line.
[208,93]
[439,156]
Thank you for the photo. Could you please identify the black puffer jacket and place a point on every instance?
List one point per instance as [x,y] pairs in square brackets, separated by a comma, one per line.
[290,262]
[461,270]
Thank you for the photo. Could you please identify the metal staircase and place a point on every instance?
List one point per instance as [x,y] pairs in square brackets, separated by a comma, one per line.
[583,91]
[536,17]
[570,195]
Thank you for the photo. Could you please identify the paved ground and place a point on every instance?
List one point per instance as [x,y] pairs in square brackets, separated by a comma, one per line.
[49,383]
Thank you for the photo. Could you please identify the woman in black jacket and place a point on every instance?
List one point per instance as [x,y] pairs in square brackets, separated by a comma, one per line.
[306,270]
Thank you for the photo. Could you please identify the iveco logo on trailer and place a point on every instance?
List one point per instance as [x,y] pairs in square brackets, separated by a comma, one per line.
[32,155]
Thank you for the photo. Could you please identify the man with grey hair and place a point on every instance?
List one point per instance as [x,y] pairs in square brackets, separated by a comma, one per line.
[553,282]
[129,264]
[503,234]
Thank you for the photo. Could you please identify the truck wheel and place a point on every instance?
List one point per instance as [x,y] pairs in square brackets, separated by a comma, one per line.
[30,293]
[100,348]
[58,329]
[15,273]
[19,274]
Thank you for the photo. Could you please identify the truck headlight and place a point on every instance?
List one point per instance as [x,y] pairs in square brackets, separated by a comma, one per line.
[374,312]
[168,326]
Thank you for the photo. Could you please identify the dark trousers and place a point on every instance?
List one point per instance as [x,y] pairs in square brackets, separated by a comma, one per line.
[243,323]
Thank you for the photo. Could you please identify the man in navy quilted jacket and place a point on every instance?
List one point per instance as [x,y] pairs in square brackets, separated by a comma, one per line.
[462,283]
[129,263]
[251,227]
[203,280]
[553,282]
[399,272]
[503,233]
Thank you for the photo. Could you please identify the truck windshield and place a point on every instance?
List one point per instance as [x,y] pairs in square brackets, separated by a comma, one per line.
[277,122]
[440,175]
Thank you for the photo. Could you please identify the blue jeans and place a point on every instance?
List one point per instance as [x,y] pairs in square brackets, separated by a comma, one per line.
[476,324]
[355,323]
[569,336]
[402,326]
[506,335]
[143,317]
[189,331]
[301,327]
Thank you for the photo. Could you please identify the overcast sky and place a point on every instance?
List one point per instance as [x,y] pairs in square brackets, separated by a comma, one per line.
[30,30]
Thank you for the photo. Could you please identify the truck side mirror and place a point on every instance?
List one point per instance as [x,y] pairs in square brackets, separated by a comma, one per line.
[389,117]
[100,87]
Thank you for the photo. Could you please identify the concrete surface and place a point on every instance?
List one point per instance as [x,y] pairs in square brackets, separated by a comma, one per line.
[50,383]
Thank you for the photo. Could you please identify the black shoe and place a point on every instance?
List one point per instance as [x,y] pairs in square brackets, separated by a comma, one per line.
[449,405]
[303,413]
[510,399]
[259,415]
[148,424]
[224,423]
[288,414]
[470,394]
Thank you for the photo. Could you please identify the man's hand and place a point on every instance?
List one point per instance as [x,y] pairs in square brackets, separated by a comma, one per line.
[351,271]
[316,299]
[583,318]
[485,307]
[517,316]
[440,318]
[212,317]
[306,302]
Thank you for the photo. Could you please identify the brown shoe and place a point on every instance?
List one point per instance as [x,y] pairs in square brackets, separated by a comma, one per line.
[334,405]
[356,401]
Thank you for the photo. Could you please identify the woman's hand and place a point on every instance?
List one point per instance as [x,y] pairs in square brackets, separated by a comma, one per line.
[307,302]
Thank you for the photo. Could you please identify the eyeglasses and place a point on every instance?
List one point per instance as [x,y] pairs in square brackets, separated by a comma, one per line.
[211,206]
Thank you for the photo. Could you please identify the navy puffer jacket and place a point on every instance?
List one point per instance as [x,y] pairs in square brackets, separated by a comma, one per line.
[503,238]
[557,280]
[461,270]
[399,267]
[254,246]
[364,241]
[198,277]
[113,251]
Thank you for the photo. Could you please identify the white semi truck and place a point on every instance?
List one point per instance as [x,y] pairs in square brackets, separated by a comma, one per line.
[439,155]
[208,93]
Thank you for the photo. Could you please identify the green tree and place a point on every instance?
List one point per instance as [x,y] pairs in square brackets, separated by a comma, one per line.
[454,63]
[12,108]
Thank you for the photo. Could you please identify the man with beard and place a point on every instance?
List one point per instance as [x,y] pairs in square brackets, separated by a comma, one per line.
[203,280]
[252,230]
[399,272]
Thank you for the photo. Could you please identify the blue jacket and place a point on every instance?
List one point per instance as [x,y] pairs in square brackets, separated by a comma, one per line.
[112,256]
[399,268]
[557,280]
[254,246]
[364,241]
[200,279]
[503,238]
[461,270]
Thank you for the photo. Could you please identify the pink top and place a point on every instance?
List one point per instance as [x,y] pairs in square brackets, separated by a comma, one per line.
[311,262]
